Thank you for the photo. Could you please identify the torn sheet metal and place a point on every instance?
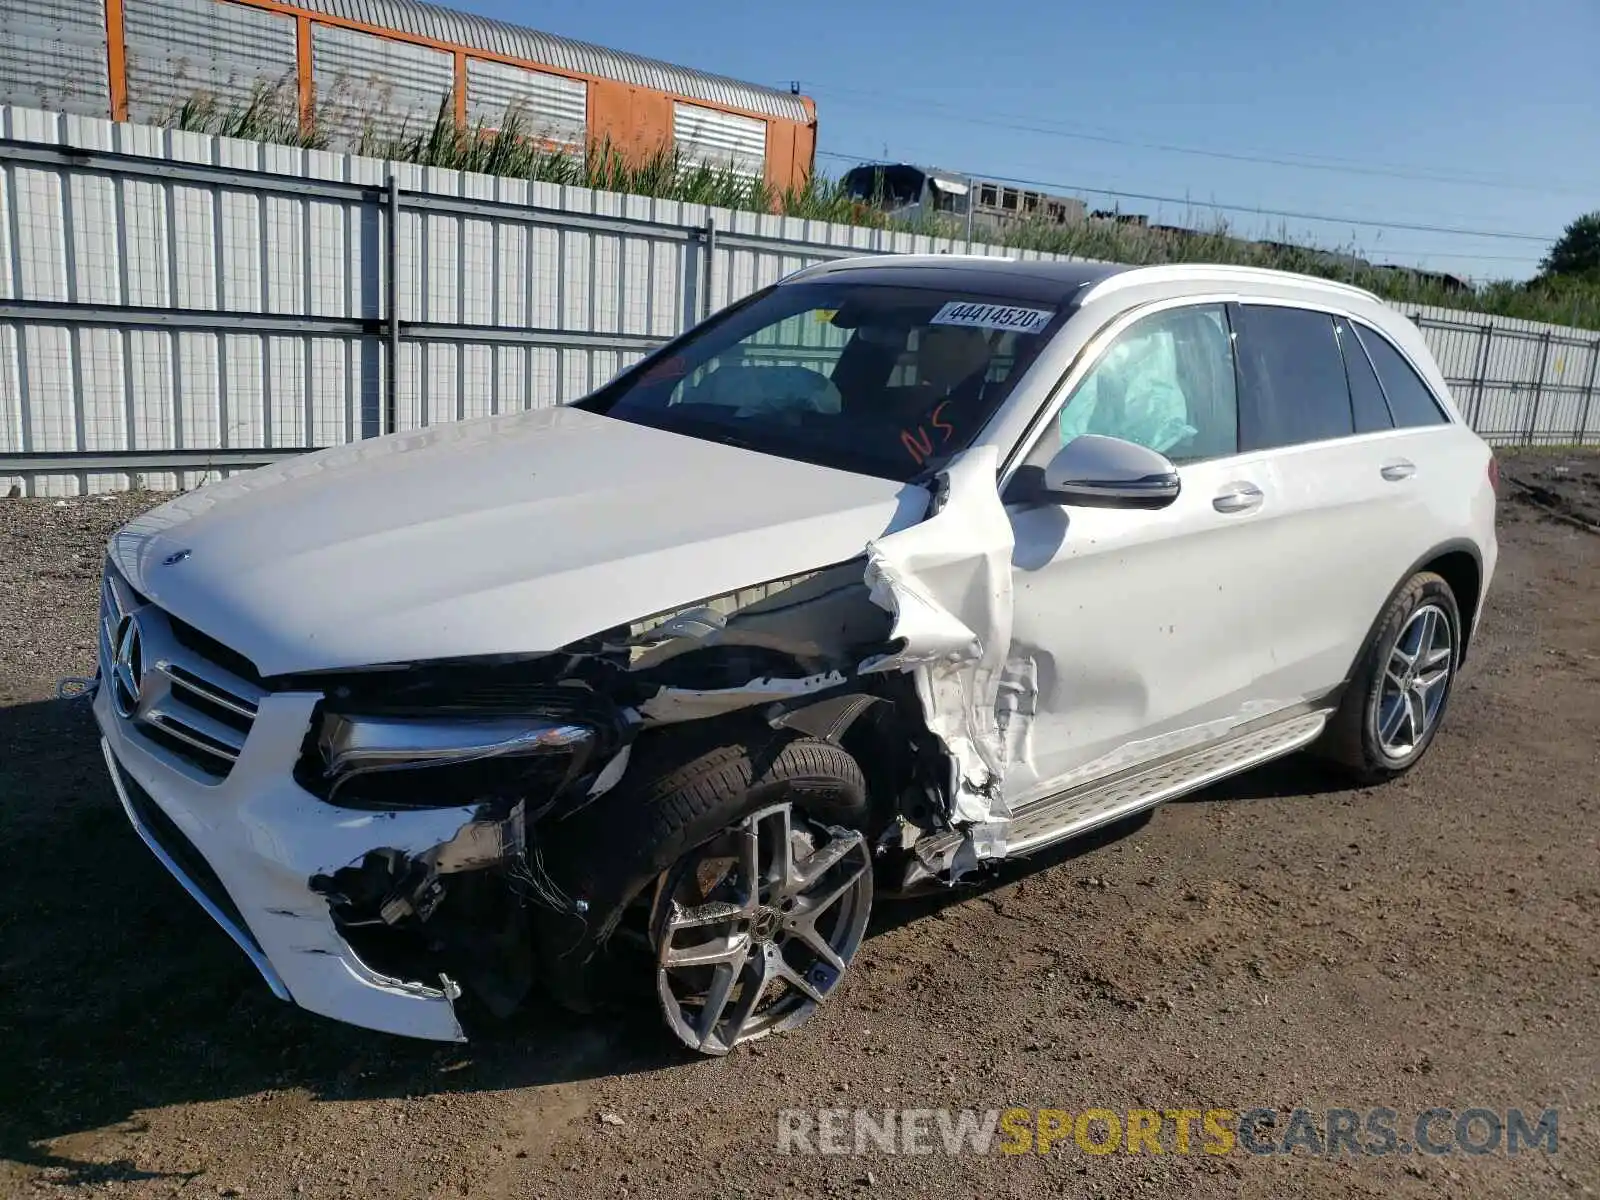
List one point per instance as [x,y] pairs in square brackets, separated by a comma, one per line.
[673,704]
[947,583]
[611,774]
[412,833]
[807,617]
[482,843]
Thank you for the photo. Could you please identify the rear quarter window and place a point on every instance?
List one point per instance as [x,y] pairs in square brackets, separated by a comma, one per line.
[1410,400]
[1366,394]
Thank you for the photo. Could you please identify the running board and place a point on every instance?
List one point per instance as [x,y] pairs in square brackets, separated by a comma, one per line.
[1082,809]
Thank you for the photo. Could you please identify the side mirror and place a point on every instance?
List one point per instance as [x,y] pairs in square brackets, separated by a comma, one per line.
[1105,472]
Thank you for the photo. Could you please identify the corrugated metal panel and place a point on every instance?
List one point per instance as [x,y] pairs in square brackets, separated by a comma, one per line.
[70,233]
[178,49]
[516,41]
[53,55]
[371,83]
[705,135]
[551,106]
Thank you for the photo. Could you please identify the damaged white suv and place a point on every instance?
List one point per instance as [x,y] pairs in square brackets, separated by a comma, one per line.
[895,569]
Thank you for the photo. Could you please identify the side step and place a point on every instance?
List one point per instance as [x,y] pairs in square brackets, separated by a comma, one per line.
[1100,803]
[1082,809]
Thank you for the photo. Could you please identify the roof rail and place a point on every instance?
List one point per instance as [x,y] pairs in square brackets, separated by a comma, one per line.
[1183,272]
[881,258]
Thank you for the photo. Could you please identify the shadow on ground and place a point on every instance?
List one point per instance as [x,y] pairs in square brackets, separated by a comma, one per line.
[120,995]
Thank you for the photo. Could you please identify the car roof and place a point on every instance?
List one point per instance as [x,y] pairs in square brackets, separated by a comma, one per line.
[1041,279]
[1058,279]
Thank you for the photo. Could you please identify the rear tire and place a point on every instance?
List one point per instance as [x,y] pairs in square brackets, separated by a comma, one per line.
[1400,689]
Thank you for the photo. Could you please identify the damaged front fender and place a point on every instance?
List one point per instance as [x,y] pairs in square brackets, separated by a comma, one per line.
[948,584]
[932,602]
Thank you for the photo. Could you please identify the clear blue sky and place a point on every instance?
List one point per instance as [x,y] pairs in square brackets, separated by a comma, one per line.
[1470,114]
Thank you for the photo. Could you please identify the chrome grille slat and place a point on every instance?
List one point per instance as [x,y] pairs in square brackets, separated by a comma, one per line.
[191,726]
[188,706]
[179,733]
[181,677]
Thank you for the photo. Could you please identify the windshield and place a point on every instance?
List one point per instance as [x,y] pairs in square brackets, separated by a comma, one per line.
[879,379]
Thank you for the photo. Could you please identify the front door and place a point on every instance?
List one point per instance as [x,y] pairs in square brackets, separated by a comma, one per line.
[1135,633]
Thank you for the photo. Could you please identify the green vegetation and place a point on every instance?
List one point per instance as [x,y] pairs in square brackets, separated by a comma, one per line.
[1576,254]
[271,116]
[1560,295]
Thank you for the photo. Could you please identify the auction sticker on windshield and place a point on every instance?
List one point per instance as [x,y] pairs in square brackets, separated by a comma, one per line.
[993,316]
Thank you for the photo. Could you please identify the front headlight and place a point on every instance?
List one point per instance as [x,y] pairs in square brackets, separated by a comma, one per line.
[428,762]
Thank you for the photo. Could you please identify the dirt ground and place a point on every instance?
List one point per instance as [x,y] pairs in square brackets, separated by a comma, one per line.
[1277,942]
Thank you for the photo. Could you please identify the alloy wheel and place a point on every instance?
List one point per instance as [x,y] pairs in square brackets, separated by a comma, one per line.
[1415,681]
[754,929]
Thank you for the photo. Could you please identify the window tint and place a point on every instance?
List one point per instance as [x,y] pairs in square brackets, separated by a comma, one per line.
[1409,398]
[1295,389]
[1166,383]
[1366,397]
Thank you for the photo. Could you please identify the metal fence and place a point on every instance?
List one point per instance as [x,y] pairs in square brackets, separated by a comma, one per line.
[1518,383]
[175,306]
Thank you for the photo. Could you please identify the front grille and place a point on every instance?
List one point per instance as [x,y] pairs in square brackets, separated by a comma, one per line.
[168,688]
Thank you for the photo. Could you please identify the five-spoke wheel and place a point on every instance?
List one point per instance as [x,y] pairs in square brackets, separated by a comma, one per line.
[754,929]
[1415,681]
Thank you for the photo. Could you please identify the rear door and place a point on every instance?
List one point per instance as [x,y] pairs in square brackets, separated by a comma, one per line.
[1341,482]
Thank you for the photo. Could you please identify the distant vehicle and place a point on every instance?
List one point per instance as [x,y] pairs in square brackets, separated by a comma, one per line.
[909,192]
[896,569]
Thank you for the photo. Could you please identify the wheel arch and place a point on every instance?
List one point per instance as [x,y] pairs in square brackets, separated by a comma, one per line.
[1460,564]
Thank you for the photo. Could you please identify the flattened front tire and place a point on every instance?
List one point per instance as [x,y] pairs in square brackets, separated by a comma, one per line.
[1400,689]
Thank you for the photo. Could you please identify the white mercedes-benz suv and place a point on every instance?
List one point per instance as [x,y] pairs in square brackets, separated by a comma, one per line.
[897,569]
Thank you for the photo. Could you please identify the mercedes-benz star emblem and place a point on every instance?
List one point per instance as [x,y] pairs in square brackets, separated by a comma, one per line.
[127,668]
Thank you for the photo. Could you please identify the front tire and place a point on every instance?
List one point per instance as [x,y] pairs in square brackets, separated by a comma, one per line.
[1400,689]
[635,850]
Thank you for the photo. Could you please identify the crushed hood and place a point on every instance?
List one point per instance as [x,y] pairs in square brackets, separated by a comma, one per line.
[512,534]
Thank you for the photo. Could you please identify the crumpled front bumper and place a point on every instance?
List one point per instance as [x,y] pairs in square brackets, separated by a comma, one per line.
[246,847]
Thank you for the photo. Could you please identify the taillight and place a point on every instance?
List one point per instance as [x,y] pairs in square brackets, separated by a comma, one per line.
[1494,472]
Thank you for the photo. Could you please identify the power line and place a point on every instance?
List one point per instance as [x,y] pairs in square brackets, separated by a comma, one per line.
[1390,252]
[1248,210]
[1304,162]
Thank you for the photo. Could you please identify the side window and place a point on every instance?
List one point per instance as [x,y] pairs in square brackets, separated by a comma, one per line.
[1409,398]
[1166,383]
[1366,396]
[1294,382]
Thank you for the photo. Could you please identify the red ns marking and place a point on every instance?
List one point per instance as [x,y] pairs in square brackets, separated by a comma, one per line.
[919,443]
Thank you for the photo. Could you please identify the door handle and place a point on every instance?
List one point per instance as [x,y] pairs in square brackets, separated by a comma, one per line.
[1397,470]
[1237,497]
